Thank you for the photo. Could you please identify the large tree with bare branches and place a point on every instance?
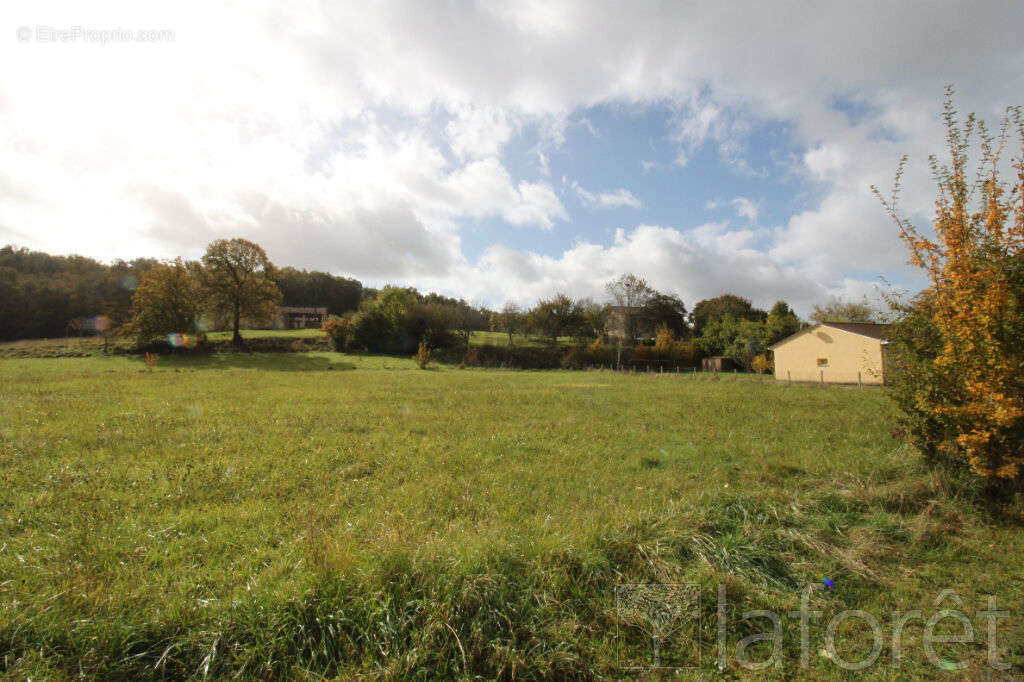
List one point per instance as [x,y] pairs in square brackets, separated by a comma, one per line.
[631,294]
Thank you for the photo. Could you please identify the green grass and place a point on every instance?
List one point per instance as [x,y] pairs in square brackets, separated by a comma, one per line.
[501,339]
[305,515]
[74,346]
[268,334]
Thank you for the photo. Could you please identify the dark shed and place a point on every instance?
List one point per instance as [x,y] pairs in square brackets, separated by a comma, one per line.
[717,363]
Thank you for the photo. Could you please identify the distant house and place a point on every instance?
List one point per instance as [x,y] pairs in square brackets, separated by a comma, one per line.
[834,352]
[717,363]
[296,317]
[615,323]
[616,326]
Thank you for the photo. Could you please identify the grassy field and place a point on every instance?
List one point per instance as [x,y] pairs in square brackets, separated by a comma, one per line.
[501,339]
[320,515]
[268,333]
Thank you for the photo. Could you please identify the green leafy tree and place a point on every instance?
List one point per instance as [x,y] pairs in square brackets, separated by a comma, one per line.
[838,310]
[712,309]
[781,322]
[508,320]
[238,279]
[165,302]
[593,319]
[395,302]
[556,316]
[371,330]
[740,340]
[666,311]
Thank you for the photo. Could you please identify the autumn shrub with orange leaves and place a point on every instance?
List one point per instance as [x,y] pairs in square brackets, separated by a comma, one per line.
[957,349]
[338,329]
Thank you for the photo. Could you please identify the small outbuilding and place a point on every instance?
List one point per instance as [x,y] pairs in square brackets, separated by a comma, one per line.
[297,317]
[834,352]
[717,363]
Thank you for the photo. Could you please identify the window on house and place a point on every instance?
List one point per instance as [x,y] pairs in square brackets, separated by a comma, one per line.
[822,362]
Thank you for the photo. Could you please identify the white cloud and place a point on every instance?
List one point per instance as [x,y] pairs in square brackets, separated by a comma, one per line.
[745,208]
[480,131]
[826,161]
[614,199]
[543,163]
[324,131]
[696,264]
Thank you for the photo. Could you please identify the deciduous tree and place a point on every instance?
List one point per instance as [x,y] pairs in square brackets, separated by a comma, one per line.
[712,309]
[556,316]
[666,310]
[960,383]
[165,302]
[781,322]
[508,320]
[630,293]
[238,279]
[838,310]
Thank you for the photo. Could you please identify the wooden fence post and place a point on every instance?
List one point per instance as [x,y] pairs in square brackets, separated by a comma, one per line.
[789,377]
[822,377]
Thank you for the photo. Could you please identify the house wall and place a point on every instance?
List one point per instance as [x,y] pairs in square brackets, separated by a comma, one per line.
[615,325]
[845,354]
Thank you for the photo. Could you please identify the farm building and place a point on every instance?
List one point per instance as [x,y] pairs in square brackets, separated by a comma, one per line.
[833,352]
[717,363]
[617,325]
[295,317]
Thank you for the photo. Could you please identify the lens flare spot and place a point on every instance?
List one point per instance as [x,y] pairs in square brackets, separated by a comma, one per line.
[178,340]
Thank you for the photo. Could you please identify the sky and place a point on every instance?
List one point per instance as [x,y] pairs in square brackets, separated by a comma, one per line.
[497,150]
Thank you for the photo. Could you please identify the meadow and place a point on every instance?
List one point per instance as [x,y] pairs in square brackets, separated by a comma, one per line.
[297,515]
[89,346]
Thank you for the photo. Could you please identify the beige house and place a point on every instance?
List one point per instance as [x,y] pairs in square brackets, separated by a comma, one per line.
[833,352]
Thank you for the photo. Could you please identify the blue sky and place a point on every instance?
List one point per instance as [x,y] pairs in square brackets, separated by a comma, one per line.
[614,147]
[497,151]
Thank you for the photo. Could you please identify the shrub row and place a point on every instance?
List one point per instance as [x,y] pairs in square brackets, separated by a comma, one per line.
[574,357]
[267,344]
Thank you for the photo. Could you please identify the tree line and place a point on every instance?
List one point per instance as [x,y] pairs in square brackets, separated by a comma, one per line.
[44,296]
[635,314]
[47,296]
[235,286]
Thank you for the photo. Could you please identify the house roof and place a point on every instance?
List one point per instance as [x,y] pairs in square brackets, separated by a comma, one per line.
[299,310]
[872,330]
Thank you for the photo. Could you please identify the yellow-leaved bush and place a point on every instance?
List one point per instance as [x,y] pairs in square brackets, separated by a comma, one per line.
[957,349]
